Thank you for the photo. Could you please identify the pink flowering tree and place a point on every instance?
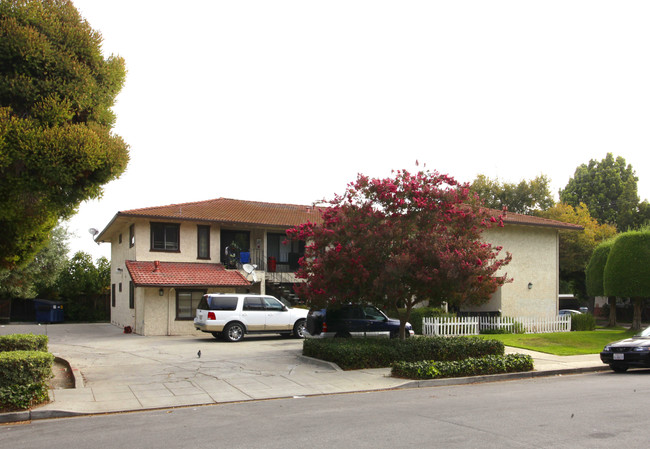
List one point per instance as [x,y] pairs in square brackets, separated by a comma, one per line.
[398,241]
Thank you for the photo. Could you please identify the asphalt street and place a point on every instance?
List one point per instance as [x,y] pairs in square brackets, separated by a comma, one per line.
[598,410]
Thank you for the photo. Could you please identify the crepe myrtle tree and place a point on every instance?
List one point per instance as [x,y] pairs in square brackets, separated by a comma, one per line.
[397,241]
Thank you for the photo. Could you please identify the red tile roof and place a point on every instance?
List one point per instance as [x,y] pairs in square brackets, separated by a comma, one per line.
[181,274]
[224,210]
[531,220]
[241,212]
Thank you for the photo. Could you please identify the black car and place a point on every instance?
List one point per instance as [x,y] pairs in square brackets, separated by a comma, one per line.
[352,320]
[629,353]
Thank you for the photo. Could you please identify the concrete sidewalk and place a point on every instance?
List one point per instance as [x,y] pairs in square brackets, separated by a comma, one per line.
[117,372]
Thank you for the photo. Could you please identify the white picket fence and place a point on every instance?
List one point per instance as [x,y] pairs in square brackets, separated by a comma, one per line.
[449,326]
[472,325]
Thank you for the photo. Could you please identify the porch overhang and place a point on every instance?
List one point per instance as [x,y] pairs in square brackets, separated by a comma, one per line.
[183,274]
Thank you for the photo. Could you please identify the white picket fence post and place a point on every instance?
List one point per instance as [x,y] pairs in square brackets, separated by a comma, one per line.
[472,325]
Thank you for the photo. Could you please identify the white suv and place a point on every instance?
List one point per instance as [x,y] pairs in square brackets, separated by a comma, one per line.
[231,315]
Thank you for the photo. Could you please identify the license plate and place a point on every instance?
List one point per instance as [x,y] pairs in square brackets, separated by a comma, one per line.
[619,356]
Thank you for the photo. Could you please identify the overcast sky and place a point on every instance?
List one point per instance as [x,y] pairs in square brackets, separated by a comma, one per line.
[286,101]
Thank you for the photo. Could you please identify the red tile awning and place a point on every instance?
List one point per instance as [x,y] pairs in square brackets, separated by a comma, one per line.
[180,274]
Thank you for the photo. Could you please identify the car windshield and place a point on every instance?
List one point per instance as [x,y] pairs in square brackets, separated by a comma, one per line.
[644,333]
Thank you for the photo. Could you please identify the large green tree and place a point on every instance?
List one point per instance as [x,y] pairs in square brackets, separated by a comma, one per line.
[398,241]
[525,197]
[608,188]
[57,147]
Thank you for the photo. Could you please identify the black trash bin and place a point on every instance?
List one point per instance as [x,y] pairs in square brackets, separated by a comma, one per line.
[48,311]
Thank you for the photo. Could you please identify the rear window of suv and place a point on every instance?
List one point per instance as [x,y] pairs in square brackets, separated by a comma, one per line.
[218,303]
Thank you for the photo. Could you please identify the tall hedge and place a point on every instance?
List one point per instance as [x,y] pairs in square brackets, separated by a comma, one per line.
[596,268]
[23,342]
[627,271]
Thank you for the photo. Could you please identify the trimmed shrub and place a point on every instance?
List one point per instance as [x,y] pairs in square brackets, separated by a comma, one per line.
[379,353]
[583,322]
[491,364]
[514,328]
[627,272]
[417,314]
[23,342]
[24,377]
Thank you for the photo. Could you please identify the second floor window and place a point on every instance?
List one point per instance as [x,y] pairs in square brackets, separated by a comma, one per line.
[203,243]
[165,236]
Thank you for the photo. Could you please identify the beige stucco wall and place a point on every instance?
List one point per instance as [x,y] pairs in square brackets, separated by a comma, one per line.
[154,314]
[121,314]
[535,260]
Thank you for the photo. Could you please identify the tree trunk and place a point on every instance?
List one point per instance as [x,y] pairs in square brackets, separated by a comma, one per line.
[612,311]
[636,319]
[404,319]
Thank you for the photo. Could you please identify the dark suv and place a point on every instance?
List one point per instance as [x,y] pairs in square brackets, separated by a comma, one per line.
[352,320]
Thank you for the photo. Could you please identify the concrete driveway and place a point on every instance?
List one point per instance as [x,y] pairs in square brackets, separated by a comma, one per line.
[125,372]
[129,372]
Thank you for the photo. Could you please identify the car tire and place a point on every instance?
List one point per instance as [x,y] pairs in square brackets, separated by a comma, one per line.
[299,329]
[216,335]
[233,332]
[618,368]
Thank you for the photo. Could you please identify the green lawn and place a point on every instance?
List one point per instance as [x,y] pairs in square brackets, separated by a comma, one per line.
[563,343]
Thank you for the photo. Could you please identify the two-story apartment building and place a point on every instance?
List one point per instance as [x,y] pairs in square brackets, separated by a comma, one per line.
[163,259]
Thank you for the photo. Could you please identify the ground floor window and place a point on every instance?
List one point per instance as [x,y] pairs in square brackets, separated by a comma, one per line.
[186,302]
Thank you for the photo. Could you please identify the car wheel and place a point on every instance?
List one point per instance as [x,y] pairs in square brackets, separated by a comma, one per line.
[216,335]
[618,368]
[299,329]
[233,332]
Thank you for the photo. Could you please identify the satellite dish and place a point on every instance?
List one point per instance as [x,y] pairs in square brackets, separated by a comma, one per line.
[250,269]
[93,231]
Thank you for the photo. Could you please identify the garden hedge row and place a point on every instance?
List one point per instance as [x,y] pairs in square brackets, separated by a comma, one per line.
[379,353]
[24,374]
[23,342]
[491,364]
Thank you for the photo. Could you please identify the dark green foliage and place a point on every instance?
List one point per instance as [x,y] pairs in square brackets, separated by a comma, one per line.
[40,274]
[22,397]
[491,364]
[627,272]
[377,353]
[526,197]
[23,342]
[596,268]
[583,322]
[84,287]
[418,313]
[57,148]
[24,377]
[608,188]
